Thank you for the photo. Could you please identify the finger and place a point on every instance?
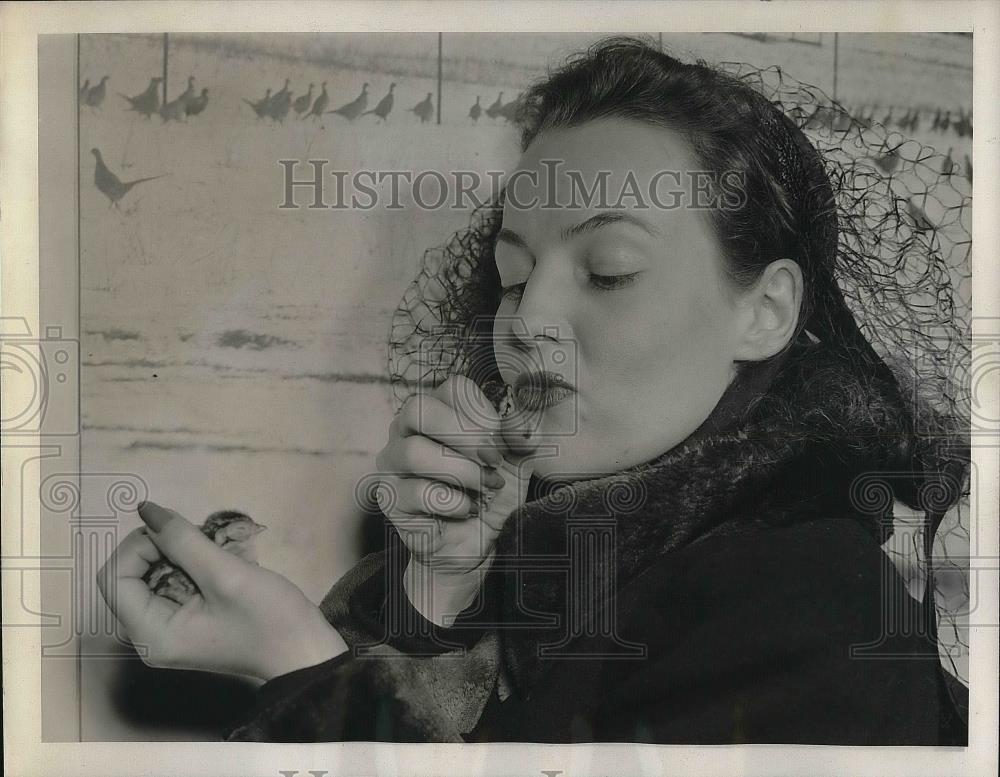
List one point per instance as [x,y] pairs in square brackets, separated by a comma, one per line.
[130,560]
[185,545]
[133,556]
[142,614]
[521,432]
[428,416]
[411,498]
[120,582]
[465,397]
[422,457]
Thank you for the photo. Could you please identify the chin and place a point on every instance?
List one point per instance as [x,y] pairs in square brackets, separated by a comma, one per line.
[576,460]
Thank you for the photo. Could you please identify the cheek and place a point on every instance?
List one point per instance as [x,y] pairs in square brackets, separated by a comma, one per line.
[665,329]
[653,377]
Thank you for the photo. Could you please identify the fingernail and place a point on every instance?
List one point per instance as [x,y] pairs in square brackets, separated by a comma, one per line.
[490,456]
[494,479]
[154,516]
[523,437]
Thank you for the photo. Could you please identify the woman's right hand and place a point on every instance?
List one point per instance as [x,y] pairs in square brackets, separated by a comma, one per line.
[444,448]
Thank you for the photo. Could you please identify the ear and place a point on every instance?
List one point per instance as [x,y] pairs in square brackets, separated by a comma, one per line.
[771,309]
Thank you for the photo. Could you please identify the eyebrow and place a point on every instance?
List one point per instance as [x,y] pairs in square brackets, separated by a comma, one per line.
[589,225]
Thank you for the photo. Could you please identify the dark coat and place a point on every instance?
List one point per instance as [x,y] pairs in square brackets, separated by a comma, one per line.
[731,590]
[775,634]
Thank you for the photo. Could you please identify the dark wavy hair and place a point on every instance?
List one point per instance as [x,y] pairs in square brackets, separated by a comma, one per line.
[902,420]
[787,208]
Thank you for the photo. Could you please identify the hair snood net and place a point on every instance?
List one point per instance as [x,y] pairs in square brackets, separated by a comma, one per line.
[889,286]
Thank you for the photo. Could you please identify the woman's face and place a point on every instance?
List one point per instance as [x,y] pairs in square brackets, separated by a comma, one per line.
[628,304]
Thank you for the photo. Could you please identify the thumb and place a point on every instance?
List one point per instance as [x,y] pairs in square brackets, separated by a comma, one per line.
[518,440]
[517,469]
[520,432]
[185,545]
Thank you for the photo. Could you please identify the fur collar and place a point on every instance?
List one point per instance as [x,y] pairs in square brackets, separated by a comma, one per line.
[755,461]
[783,445]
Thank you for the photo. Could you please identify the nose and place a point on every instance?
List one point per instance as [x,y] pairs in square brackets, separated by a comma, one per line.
[540,318]
[529,331]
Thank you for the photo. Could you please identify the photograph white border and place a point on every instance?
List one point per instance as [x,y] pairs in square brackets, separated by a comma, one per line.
[20,25]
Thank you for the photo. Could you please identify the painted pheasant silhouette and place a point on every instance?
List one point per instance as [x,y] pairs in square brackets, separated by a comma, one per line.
[281,103]
[302,102]
[355,107]
[384,106]
[148,102]
[494,110]
[319,106]
[424,109]
[197,104]
[188,94]
[109,184]
[231,530]
[921,223]
[176,109]
[509,110]
[888,162]
[95,95]
[173,110]
[260,107]
[948,166]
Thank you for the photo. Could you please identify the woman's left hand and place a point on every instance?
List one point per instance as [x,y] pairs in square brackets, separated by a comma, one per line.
[246,620]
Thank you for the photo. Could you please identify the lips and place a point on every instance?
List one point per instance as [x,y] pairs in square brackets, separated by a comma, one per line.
[539,390]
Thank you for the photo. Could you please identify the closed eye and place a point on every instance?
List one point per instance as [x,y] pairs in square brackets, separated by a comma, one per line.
[611,282]
[602,282]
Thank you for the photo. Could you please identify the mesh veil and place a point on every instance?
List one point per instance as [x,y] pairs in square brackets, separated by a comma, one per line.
[901,268]
[902,262]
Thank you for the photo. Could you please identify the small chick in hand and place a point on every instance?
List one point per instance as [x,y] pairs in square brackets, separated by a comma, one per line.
[507,401]
[233,531]
[505,406]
